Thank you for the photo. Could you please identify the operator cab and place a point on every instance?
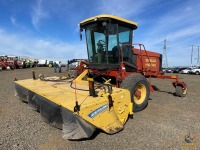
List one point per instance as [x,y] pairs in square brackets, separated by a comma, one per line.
[109,41]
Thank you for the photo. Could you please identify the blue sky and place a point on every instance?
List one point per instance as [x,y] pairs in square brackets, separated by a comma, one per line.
[48,29]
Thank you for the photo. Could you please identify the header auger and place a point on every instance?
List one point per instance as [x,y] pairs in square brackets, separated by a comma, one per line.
[111,85]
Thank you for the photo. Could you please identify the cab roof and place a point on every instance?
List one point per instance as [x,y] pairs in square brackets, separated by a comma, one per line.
[104,17]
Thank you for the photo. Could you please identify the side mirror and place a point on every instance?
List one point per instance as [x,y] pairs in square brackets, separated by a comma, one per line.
[81,34]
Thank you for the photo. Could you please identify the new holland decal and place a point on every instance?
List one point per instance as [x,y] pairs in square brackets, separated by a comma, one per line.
[98,111]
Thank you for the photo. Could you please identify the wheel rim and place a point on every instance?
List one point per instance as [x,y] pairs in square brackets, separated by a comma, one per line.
[184,90]
[140,94]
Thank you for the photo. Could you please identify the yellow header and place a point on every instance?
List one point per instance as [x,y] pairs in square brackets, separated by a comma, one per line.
[90,79]
[109,16]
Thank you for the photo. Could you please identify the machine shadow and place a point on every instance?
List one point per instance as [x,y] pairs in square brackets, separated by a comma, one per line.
[157,89]
[97,132]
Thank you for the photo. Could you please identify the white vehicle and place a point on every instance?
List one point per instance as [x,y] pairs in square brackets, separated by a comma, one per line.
[195,71]
[42,63]
[186,71]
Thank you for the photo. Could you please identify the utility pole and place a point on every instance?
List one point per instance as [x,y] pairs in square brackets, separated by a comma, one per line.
[195,55]
[198,57]
[191,55]
[165,61]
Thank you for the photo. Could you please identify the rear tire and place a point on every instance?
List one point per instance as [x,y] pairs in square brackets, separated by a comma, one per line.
[136,83]
[197,72]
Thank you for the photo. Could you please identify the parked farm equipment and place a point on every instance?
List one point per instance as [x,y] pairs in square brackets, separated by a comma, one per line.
[77,64]
[3,64]
[30,64]
[11,62]
[110,87]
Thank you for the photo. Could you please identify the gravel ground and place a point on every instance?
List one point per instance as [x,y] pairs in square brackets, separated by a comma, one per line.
[162,125]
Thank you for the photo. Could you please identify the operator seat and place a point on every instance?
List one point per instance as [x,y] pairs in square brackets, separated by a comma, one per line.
[127,53]
[115,53]
[130,58]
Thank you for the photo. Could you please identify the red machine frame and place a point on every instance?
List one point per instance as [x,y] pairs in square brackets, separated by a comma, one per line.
[121,73]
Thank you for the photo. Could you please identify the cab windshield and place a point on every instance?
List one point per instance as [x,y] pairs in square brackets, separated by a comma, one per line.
[103,42]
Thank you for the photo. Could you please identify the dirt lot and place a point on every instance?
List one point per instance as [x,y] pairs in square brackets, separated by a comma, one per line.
[162,125]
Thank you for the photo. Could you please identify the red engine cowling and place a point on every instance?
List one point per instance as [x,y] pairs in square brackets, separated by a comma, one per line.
[148,61]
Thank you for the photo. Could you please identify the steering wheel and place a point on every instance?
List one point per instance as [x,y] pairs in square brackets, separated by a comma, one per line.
[101,42]
[101,45]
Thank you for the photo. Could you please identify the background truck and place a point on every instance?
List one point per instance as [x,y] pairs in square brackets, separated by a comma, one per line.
[42,63]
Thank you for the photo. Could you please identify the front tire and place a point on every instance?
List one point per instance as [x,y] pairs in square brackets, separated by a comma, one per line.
[139,90]
[50,65]
[180,91]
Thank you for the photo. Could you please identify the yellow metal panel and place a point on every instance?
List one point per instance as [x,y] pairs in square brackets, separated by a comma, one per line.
[173,77]
[81,76]
[90,79]
[112,17]
[95,110]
